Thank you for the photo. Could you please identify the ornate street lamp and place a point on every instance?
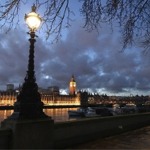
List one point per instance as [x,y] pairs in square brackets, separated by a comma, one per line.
[29,105]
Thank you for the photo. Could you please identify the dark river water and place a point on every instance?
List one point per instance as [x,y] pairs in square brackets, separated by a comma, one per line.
[136,139]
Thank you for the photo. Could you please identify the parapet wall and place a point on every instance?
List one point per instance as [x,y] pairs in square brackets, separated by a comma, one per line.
[68,134]
[5,138]
[71,133]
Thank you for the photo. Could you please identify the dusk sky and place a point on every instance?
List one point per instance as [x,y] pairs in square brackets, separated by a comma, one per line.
[95,59]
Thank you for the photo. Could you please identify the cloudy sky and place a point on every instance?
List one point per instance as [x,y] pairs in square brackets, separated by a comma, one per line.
[96,60]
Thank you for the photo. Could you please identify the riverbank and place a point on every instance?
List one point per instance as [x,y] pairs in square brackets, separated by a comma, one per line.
[59,106]
[70,133]
[44,107]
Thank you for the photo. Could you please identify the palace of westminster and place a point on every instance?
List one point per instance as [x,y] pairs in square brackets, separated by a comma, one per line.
[49,96]
[52,97]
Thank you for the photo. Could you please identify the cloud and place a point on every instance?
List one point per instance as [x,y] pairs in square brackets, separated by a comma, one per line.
[95,60]
[13,49]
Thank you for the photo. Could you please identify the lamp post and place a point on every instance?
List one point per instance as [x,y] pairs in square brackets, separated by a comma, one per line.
[29,104]
[31,128]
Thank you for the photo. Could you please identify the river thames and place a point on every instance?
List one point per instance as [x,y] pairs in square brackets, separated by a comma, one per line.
[136,139]
[58,114]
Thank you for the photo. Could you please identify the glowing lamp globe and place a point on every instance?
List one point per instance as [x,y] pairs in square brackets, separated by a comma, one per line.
[33,20]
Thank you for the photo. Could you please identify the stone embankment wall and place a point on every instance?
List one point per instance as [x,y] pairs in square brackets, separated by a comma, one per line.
[5,138]
[68,134]
[71,133]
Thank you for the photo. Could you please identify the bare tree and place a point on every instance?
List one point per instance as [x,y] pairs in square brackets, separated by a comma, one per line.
[132,16]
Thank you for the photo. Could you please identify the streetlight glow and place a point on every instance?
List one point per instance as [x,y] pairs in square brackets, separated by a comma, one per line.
[33,20]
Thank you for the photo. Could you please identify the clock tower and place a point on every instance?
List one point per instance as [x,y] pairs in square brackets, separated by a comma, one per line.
[72,86]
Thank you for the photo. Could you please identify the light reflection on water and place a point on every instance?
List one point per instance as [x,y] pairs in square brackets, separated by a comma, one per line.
[58,114]
[4,114]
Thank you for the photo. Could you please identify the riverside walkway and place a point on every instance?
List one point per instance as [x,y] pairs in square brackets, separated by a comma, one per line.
[137,139]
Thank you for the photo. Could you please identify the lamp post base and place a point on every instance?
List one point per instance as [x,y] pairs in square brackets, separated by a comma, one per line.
[28,111]
[29,104]
[30,134]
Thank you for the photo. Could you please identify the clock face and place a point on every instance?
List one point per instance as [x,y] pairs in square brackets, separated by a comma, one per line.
[73,84]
